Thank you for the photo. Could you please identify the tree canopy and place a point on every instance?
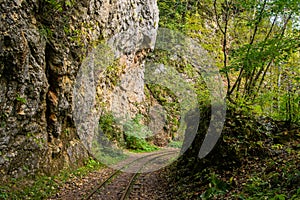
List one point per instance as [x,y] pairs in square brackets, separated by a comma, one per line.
[256,46]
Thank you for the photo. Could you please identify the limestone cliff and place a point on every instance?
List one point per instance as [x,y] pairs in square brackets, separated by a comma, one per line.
[42,46]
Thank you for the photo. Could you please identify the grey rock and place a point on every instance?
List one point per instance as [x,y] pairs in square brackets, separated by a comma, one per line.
[41,54]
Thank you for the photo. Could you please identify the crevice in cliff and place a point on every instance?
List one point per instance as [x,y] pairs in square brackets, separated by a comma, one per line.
[51,97]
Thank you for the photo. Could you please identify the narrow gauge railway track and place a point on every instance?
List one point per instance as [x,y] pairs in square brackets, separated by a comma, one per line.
[128,177]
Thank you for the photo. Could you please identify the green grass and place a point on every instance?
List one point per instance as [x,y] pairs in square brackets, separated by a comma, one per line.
[175,144]
[41,187]
[108,156]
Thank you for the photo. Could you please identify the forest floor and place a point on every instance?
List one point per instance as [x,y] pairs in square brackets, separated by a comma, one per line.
[259,165]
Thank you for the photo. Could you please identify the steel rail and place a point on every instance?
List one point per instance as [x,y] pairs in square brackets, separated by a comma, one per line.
[118,171]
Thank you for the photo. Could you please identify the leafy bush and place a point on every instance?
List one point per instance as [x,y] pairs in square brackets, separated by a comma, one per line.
[135,134]
[108,125]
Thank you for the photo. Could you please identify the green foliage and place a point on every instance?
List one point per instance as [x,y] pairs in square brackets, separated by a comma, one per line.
[40,189]
[171,14]
[113,74]
[175,144]
[139,145]
[90,166]
[216,187]
[258,159]
[56,5]
[255,45]
[136,129]
[279,98]
[69,3]
[45,32]
[108,125]
[56,25]
[272,42]
[108,155]
[135,134]
[21,99]
[172,92]
[170,103]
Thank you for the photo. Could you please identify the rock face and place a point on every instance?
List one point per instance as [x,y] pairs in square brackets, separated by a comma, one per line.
[42,46]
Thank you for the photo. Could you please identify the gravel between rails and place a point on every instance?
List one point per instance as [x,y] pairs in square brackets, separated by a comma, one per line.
[151,185]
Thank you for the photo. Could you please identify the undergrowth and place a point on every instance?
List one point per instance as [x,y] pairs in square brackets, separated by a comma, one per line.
[131,136]
[136,134]
[255,159]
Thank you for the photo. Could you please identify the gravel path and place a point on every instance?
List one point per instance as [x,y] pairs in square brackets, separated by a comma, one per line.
[151,185]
